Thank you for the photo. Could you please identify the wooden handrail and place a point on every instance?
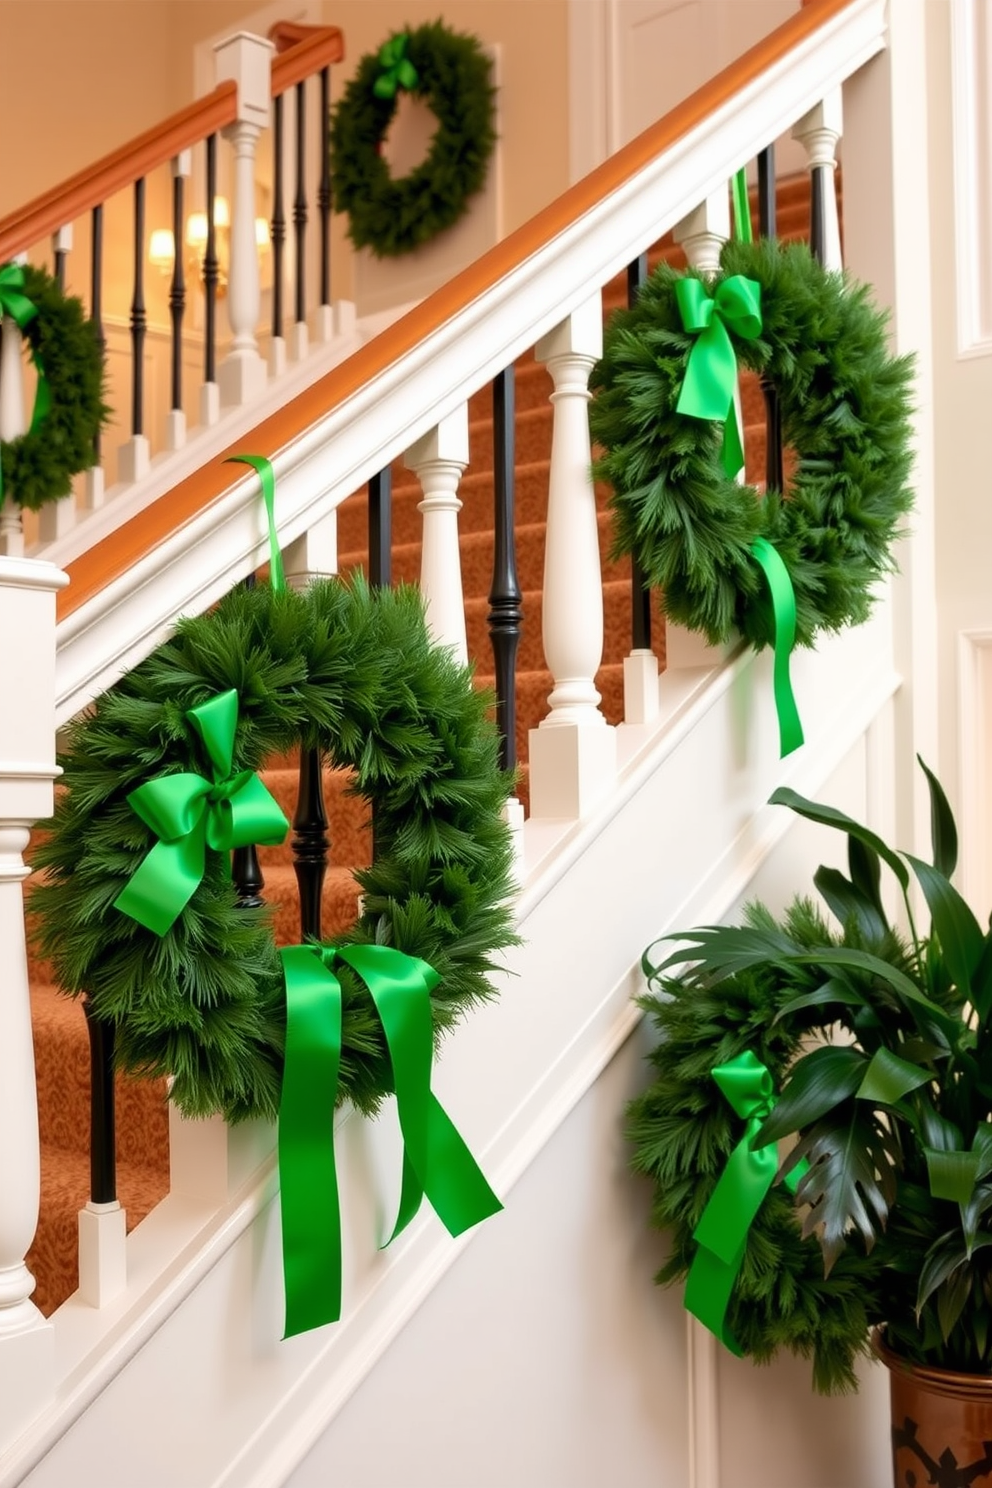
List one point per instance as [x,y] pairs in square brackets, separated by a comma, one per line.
[116,553]
[302,51]
[94,185]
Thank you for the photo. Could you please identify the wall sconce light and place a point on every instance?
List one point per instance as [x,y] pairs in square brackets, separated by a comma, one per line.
[162,248]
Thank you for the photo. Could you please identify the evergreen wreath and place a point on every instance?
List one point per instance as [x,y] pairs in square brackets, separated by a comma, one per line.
[38,466]
[355,675]
[683,1131]
[845,413]
[451,73]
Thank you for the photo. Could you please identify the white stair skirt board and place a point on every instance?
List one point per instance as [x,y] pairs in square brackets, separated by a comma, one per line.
[246,1407]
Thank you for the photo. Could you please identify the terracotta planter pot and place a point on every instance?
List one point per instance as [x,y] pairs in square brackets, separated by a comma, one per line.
[941,1425]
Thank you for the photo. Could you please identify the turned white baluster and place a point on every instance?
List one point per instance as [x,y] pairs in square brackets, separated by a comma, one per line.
[702,235]
[58,517]
[247,59]
[819,132]
[573,752]
[12,423]
[314,555]
[439,460]
[27,773]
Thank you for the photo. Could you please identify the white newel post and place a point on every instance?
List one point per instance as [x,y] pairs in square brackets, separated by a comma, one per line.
[12,423]
[439,460]
[819,132]
[58,517]
[247,60]
[702,235]
[573,752]
[27,773]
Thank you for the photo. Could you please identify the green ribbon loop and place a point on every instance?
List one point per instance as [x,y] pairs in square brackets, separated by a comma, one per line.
[739,1193]
[189,813]
[711,374]
[742,207]
[15,303]
[266,475]
[436,1160]
[783,597]
[398,71]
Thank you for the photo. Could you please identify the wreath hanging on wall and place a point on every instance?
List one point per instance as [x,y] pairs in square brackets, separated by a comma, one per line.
[451,73]
[69,410]
[816,338]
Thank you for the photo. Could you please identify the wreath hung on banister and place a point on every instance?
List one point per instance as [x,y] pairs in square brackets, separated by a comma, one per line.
[37,467]
[663,414]
[138,910]
[451,73]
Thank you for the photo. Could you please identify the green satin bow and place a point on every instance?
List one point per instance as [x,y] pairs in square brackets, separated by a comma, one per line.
[189,813]
[750,1172]
[398,70]
[711,375]
[15,303]
[783,598]
[436,1161]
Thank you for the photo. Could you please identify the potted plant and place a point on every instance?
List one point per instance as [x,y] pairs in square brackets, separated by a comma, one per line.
[867,1048]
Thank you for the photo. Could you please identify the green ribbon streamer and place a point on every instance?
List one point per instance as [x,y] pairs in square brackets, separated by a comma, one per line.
[742,208]
[15,303]
[739,1193]
[266,475]
[189,813]
[711,374]
[783,597]
[398,71]
[436,1161]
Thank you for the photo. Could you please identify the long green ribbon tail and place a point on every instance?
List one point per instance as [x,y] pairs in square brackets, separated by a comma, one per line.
[742,208]
[739,1193]
[266,475]
[15,303]
[398,71]
[308,1182]
[783,597]
[189,813]
[711,373]
[436,1161]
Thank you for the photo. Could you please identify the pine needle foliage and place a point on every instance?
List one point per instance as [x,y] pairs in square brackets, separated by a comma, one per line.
[877,1045]
[354,674]
[846,408]
[38,466]
[393,216]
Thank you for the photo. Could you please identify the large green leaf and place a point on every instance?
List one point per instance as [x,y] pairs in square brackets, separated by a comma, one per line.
[720,951]
[943,832]
[857,960]
[818,1082]
[866,872]
[952,1175]
[981,981]
[848,903]
[835,990]
[829,816]
[889,1077]
[954,925]
[850,1183]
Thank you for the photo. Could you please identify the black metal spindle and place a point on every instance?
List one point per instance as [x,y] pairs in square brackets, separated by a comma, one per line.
[300,203]
[310,842]
[818,214]
[246,873]
[139,319]
[278,216]
[103,1136]
[381,529]
[324,188]
[177,292]
[96,296]
[61,254]
[640,594]
[505,599]
[211,268]
[767,226]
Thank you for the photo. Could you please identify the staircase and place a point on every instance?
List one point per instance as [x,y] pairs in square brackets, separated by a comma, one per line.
[60,1035]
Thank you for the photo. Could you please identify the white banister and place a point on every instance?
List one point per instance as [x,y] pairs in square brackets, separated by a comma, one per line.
[247,60]
[313,555]
[439,460]
[819,132]
[27,773]
[573,752]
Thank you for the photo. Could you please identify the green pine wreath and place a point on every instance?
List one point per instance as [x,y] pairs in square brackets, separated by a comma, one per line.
[845,403]
[38,466]
[355,675]
[451,73]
